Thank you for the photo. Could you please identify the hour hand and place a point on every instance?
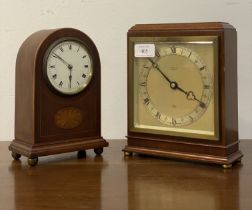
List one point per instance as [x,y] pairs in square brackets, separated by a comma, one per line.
[191,96]
[70,79]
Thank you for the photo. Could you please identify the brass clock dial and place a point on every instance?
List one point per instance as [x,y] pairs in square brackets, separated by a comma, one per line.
[68,67]
[175,86]
[188,85]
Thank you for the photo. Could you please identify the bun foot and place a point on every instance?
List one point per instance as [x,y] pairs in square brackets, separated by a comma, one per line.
[226,166]
[15,156]
[128,153]
[98,151]
[81,154]
[32,161]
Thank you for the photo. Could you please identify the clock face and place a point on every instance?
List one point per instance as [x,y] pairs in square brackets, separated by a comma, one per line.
[68,67]
[174,86]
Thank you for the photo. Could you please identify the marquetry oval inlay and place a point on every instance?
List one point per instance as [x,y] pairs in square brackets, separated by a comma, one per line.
[68,118]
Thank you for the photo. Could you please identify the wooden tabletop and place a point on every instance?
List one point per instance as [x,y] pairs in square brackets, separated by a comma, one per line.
[112,182]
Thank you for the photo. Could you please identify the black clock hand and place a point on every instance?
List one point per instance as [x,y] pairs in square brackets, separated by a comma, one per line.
[174,85]
[155,65]
[189,95]
[69,66]
[70,79]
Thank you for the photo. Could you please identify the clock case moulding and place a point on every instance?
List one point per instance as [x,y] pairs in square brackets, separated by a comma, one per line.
[225,151]
[36,104]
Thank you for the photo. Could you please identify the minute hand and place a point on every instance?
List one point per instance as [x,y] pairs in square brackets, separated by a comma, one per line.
[155,65]
[174,85]
[69,66]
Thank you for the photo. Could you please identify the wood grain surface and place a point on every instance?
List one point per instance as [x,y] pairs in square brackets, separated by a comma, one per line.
[224,151]
[37,132]
[113,182]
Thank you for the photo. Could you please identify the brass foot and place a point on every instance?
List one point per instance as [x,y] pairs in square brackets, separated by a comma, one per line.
[128,153]
[15,155]
[226,166]
[32,161]
[81,154]
[98,151]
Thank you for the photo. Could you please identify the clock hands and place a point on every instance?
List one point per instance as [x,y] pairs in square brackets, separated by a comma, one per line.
[69,66]
[70,78]
[174,85]
[155,65]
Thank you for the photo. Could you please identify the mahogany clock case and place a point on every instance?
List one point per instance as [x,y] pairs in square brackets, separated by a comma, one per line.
[37,132]
[225,150]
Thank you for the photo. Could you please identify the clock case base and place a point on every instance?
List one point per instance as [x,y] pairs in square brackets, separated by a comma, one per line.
[44,149]
[182,154]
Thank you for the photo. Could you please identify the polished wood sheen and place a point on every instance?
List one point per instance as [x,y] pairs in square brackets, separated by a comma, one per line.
[114,182]
[47,122]
[225,151]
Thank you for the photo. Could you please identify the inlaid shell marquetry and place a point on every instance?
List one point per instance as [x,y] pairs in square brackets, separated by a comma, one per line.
[68,118]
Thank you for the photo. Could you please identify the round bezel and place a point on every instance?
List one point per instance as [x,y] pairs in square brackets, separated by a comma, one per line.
[53,46]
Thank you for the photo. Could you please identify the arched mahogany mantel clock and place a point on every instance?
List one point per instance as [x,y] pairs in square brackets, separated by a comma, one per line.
[58,96]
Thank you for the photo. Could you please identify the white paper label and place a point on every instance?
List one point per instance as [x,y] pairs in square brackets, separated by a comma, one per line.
[144,50]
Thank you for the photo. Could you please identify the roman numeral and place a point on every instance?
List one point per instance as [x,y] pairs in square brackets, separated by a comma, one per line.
[84,56]
[78,49]
[54,55]
[190,54]
[174,121]
[54,76]
[78,83]
[61,83]
[84,75]
[202,105]
[142,83]
[70,46]
[146,101]
[173,49]
[157,54]
[206,86]
[202,68]
[85,66]
[158,115]
[52,66]
[61,49]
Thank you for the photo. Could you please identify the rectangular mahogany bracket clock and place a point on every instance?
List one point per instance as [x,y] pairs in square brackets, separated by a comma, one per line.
[182,92]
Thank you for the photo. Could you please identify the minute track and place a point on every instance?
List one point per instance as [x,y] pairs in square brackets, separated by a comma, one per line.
[180,106]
